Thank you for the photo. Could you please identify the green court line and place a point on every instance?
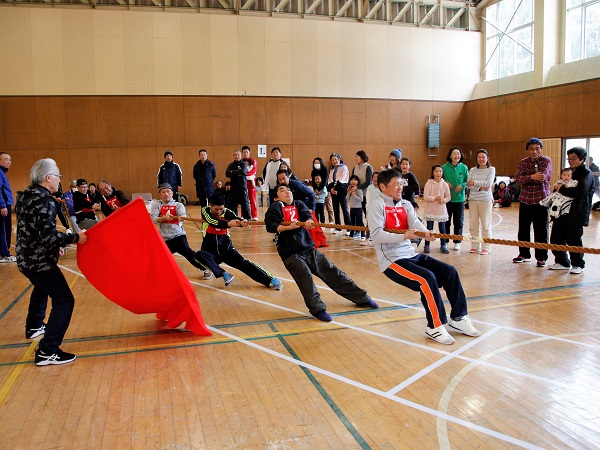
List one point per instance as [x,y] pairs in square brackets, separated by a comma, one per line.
[319,387]
[14,302]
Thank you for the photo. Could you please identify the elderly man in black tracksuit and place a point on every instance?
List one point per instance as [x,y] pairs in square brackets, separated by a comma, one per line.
[170,173]
[236,172]
[302,260]
[568,228]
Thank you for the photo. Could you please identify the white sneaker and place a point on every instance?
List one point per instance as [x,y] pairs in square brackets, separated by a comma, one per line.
[365,243]
[8,259]
[457,246]
[440,335]
[464,326]
[207,275]
[576,270]
[558,267]
[357,238]
[334,231]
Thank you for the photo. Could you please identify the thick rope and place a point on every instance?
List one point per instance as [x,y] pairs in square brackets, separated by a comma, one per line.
[454,237]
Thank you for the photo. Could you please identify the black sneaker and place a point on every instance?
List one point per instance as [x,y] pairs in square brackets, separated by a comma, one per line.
[31,333]
[541,263]
[521,259]
[42,359]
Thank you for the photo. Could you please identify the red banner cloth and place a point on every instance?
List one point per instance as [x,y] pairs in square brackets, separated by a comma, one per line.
[317,234]
[127,260]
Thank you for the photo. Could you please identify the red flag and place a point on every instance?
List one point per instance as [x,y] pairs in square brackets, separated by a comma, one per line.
[127,260]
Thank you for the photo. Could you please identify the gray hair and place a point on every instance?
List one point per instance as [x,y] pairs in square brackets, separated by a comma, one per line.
[41,169]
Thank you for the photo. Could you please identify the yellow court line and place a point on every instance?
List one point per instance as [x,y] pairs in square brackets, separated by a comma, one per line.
[14,374]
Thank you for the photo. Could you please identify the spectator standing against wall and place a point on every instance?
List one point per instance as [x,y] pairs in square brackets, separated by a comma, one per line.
[270,173]
[236,172]
[567,229]
[204,173]
[250,181]
[533,175]
[456,174]
[6,202]
[170,173]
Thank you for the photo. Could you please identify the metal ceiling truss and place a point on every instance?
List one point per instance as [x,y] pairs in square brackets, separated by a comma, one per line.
[434,13]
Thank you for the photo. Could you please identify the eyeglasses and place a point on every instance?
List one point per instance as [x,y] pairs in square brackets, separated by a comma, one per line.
[55,175]
[573,158]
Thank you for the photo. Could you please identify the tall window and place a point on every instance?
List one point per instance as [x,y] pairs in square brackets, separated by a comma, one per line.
[509,38]
[582,39]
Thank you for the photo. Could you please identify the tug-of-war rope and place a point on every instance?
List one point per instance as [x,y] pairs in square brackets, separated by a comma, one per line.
[455,237]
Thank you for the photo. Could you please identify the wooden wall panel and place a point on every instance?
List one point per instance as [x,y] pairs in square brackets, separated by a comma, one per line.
[377,125]
[113,166]
[61,156]
[169,126]
[418,122]
[82,130]
[354,122]
[198,121]
[575,110]
[253,122]
[533,116]
[329,121]
[143,167]
[589,122]
[223,156]
[2,135]
[305,120]
[141,121]
[279,121]
[513,121]
[111,114]
[555,113]
[19,123]
[226,120]
[448,122]
[399,124]
[302,159]
[84,163]
[22,160]
[51,122]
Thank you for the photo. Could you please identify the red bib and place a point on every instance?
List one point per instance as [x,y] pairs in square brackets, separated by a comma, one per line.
[171,209]
[290,212]
[395,218]
[113,203]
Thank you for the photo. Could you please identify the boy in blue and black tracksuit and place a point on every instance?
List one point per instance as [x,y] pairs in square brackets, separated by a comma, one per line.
[297,251]
[217,247]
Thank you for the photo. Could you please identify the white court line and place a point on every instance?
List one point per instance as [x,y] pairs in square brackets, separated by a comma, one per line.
[381,393]
[439,362]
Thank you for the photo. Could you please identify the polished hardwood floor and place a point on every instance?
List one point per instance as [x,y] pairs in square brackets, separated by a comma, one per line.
[271,376]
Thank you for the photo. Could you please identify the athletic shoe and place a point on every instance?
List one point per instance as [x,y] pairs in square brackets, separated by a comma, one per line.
[496,205]
[521,259]
[322,315]
[366,243]
[576,270]
[207,274]
[369,304]
[558,267]
[464,326]
[254,219]
[8,259]
[484,252]
[540,263]
[42,359]
[334,231]
[227,278]
[276,284]
[457,246]
[473,250]
[31,333]
[357,238]
[426,249]
[439,335]
[444,249]
[363,238]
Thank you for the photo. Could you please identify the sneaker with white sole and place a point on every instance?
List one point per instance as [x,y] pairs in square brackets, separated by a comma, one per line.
[464,326]
[227,278]
[576,270]
[457,246]
[208,275]
[558,267]
[521,259]
[60,357]
[32,333]
[439,335]
[276,284]
[8,259]
[366,243]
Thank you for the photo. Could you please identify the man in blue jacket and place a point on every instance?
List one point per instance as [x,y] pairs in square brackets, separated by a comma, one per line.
[204,174]
[6,201]
[170,173]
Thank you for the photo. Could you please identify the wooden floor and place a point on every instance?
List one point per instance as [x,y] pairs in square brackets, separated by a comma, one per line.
[273,377]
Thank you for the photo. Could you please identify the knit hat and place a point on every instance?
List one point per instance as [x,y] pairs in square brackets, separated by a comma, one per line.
[164,186]
[168,152]
[397,152]
[534,140]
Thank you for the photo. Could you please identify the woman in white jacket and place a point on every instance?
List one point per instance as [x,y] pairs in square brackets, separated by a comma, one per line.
[481,200]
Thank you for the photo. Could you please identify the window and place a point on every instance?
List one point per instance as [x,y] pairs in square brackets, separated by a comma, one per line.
[509,38]
[582,37]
